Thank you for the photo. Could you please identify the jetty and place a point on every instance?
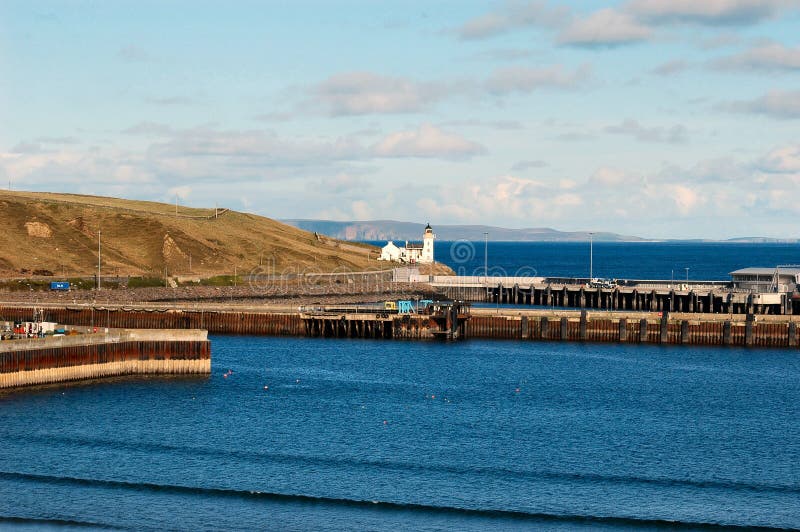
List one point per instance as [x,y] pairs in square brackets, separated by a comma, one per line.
[107,353]
[446,320]
[711,297]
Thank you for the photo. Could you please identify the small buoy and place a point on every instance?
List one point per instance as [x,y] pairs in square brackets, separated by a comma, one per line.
[517,390]
[385,422]
[297,381]
[266,387]
[433,397]
[225,375]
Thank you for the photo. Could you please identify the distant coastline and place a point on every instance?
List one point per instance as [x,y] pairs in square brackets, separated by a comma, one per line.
[381,230]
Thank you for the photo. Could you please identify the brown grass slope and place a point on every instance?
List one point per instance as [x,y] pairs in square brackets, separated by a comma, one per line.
[58,232]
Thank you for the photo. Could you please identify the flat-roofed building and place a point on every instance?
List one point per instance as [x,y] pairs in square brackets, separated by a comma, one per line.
[777,279]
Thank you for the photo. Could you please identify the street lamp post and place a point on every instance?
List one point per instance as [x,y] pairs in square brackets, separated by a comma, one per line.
[98,259]
[486,254]
[591,257]
[687,274]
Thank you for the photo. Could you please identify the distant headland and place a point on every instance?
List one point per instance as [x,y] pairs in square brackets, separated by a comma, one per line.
[374,230]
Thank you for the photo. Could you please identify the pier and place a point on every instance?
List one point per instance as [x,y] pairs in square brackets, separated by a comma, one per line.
[456,322]
[447,321]
[709,297]
[33,361]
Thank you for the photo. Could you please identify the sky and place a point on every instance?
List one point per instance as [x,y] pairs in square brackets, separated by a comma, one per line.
[657,118]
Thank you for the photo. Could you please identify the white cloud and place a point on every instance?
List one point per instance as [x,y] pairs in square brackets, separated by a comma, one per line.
[359,93]
[685,198]
[427,141]
[341,183]
[671,67]
[513,15]
[672,135]
[506,199]
[361,210]
[606,27]
[521,166]
[770,56]
[153,129]
[529,79]
[711,12]
[776,104]
[182,192]
[612,177]
[785,159]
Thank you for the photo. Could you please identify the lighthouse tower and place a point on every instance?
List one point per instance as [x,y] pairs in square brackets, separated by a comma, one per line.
[427,245]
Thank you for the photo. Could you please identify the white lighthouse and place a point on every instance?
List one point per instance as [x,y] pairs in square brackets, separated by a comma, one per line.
[427,245]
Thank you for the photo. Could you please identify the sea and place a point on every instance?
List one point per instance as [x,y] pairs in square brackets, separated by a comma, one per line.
[699,261]
[350,434]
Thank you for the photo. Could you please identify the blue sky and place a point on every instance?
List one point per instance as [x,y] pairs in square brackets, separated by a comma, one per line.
[660,118]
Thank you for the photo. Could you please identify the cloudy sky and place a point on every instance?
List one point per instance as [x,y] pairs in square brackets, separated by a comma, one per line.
[661,118]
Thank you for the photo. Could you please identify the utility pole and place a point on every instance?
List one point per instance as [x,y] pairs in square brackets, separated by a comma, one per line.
[591,257]
[176,205]
[687,274]
[98,259]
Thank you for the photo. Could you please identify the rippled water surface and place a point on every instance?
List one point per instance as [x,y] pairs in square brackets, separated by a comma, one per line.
[356,434]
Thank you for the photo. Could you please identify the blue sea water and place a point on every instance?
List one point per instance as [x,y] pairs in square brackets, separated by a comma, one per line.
[620,260]
[384,435]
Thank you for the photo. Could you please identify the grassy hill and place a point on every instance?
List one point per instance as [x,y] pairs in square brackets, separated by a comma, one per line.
[42,232]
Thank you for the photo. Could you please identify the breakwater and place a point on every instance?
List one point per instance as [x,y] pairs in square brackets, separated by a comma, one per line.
[113,353]
[214,320]
[636,327]
[522,324]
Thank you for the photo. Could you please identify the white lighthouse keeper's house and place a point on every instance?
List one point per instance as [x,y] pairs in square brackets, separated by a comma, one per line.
[412,253]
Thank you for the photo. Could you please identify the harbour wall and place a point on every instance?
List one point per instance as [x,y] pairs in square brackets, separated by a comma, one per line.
[287,323]
[521,324]
[636,327]
[50,360]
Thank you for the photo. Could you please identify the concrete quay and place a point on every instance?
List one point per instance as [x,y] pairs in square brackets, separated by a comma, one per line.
[688,328]
[49,360]
[635,327]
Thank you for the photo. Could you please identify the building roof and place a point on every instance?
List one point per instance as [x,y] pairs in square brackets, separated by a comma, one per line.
[411,245]
[783,270]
